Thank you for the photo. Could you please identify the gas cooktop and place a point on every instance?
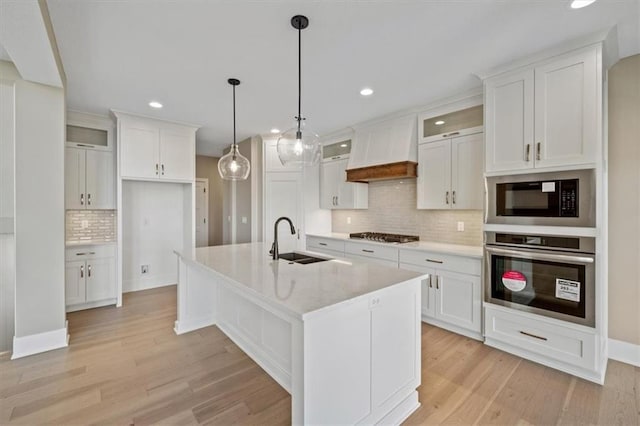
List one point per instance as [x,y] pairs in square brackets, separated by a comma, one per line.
[384,238]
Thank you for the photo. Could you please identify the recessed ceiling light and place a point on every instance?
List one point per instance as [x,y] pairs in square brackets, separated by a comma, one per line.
[579,4]
[439,123]
[274,130]
[343,145]
[155,104]
[366,91]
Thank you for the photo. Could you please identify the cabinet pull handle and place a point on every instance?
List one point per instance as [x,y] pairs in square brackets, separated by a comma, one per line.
[336,157]
[437,283]
[88,199]
[89,271]
[85,146]
[434,261]
[538,151]
[322,244]
[85,253]
[528,150]
[446,197]
[453,197]
[533,335]
[450,134]
[368,251]
[163,170]
[81,271]
[430,284]
[337,200]
[156,169]
[82,199]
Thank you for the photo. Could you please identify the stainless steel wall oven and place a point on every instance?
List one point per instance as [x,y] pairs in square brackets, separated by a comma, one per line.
[552,276]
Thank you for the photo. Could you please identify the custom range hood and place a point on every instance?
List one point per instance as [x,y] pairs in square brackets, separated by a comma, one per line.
[384,150]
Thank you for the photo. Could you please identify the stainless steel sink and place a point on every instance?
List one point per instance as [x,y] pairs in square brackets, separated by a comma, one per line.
[301,258]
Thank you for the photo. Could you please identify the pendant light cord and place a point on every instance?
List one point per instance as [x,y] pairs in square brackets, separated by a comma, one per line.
[299,77]
[235,146]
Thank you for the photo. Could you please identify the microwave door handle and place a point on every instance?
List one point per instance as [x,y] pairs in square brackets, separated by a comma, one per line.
[542,256]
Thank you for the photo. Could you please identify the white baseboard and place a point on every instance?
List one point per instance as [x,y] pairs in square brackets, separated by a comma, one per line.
[147,283]
[624,352]
[41,342]
[191,324]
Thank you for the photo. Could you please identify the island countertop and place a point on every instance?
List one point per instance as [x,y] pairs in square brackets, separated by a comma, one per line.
[296,288]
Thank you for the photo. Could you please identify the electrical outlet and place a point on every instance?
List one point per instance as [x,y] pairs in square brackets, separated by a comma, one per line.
[460,226]
[144,269]
[348,220]
[84,224]
[244,219]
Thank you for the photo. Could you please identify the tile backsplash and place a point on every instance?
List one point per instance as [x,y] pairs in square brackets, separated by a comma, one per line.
[392,209]
[100,226]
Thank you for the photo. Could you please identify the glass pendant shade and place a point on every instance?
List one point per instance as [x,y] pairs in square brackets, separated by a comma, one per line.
[233,165]
[299,147]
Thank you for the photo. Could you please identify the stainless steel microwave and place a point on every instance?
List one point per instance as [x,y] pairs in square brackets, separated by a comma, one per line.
[548,199]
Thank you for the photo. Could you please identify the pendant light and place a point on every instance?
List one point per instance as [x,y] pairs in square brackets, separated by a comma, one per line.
[297,146]
[233,165]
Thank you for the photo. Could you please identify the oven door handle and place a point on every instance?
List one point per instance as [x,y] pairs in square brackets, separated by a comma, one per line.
[543,256]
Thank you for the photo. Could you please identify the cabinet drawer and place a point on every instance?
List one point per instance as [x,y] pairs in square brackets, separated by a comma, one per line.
[372,250]
[546,337]
[330,253]
[463,265]
[90,252]
[325,244]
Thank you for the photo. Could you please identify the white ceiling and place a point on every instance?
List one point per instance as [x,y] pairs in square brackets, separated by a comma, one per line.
[122,54]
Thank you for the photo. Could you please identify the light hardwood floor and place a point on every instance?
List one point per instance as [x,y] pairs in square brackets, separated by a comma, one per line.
[126,366]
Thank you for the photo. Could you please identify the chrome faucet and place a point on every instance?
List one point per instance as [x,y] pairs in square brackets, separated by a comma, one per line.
[274,247]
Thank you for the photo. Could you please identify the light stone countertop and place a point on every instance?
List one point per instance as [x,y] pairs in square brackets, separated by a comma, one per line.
[295,288]
[453,249]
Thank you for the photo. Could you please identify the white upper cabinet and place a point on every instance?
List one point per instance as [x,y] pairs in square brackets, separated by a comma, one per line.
[545,116]
[154,149]
[335,191]
[89,179]
[450,174]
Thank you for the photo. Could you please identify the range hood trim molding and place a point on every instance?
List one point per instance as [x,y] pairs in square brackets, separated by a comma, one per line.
[398,170]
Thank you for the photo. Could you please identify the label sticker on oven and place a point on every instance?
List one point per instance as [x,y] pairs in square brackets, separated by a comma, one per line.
[567,289]
[548,187]
[514,280]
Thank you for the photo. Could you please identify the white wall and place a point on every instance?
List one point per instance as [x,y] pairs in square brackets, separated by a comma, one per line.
[39,189]
[153,226]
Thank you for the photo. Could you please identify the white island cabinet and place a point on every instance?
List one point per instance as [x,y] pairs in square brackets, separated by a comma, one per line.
[343,338]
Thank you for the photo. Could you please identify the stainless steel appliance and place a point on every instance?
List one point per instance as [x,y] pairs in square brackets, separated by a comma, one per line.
[384,238]
[555,199]
[552,276]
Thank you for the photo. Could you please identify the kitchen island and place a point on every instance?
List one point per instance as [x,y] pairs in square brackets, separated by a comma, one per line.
[342,337]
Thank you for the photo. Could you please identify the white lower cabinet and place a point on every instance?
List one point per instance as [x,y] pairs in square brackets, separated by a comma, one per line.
[326,246]
[450,299]
[90,277]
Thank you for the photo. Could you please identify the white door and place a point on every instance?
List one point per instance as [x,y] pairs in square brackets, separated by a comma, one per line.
[202,212]
[74,282]
[177,159]
[467,185]
[434,175]
[509,122]
[566,111]
[283,197]
[139,150]
[458,300]
[328,180]
[74,178]
[100,180]
[101,280]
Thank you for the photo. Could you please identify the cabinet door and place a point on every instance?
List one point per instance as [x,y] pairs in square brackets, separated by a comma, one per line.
[328,184]
[177,156]
[434,175]
[509,122]
[458,300]
[467,188]
[74,282]
[395,342]
[101,282]
[345,191]
[139,150]
[566,111]
[74,178]
[283,192]
[428,298]
[100,180]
